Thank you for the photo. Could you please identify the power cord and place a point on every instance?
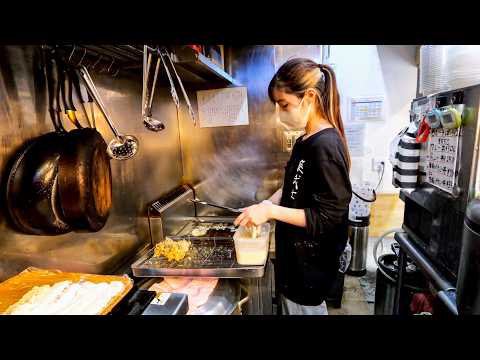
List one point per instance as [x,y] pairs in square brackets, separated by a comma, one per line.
[376,188]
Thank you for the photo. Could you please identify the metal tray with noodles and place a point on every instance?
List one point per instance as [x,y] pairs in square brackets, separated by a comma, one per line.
[208,257]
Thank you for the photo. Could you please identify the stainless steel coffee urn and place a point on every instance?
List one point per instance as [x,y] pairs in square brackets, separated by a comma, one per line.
[358,237]
[358,223]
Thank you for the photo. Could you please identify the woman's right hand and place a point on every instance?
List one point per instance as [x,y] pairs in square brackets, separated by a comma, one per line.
[257,214]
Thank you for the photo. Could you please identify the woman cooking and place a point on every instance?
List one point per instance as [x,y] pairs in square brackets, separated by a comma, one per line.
[311,209]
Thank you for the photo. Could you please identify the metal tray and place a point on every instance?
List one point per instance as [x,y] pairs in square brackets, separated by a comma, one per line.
[216,258]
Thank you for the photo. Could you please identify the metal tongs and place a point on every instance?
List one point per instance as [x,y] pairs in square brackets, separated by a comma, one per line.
[215,205]
[185,96]
[147,96]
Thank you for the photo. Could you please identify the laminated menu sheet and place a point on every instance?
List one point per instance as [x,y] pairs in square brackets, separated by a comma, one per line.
[223,107]
[366,108]
[442,158]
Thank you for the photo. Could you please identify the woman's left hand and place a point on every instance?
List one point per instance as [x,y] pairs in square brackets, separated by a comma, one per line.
[254,215]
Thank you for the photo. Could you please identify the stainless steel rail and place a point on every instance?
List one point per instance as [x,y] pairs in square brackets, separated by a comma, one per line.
[446,290]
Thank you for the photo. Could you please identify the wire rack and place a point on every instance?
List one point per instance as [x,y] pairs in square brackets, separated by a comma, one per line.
[204,253]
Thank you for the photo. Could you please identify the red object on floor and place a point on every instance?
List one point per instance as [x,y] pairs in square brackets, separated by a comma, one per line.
[197,48]
[422,302]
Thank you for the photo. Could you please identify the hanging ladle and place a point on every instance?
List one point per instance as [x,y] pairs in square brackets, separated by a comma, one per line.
[122,147]
[147,98]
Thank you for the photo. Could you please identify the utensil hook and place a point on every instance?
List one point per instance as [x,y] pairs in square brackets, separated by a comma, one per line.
[83,56]
[110,66]
[71,54]
[96,63]
[105,69]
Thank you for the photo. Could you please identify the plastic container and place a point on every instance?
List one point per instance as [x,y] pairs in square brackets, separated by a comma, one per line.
[252,251]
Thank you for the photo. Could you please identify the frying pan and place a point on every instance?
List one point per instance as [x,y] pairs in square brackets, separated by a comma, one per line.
[31,191]
[85,179]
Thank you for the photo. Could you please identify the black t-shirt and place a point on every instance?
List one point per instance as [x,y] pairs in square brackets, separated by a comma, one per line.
[317,180]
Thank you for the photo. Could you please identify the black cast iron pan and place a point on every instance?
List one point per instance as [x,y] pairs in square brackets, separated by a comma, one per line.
[31,191]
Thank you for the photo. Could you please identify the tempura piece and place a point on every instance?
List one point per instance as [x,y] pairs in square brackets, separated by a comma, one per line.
[172,250]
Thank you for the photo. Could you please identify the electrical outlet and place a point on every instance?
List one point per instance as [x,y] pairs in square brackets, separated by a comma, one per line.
[377,164]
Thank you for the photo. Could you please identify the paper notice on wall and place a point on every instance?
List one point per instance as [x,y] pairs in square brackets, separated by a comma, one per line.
[355,134]
[366,108]
[223,107]
[442,158]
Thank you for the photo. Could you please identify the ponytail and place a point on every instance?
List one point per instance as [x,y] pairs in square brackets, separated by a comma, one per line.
[331,103]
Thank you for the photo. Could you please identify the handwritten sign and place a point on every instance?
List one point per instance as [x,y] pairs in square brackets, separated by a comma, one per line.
[223,107]
[442,158]
[355,134]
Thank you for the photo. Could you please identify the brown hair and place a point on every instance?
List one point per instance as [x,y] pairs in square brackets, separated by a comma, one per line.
[297,75]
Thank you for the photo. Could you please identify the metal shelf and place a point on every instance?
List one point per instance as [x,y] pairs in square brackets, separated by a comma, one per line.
[192,67]
[201,69]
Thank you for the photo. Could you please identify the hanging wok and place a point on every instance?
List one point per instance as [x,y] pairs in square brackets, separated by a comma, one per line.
[31,191]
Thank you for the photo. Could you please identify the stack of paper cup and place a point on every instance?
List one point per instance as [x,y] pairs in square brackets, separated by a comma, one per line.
[433,69]
[463,66]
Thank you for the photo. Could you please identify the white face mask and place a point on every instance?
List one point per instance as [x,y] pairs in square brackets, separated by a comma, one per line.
[295,119]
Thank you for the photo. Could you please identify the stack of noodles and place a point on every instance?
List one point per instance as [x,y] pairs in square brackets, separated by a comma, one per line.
[67,298]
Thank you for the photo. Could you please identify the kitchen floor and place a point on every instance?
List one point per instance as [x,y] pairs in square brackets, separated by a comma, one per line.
[359,292]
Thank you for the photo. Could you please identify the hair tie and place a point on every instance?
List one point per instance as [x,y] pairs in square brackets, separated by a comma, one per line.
[321,67]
